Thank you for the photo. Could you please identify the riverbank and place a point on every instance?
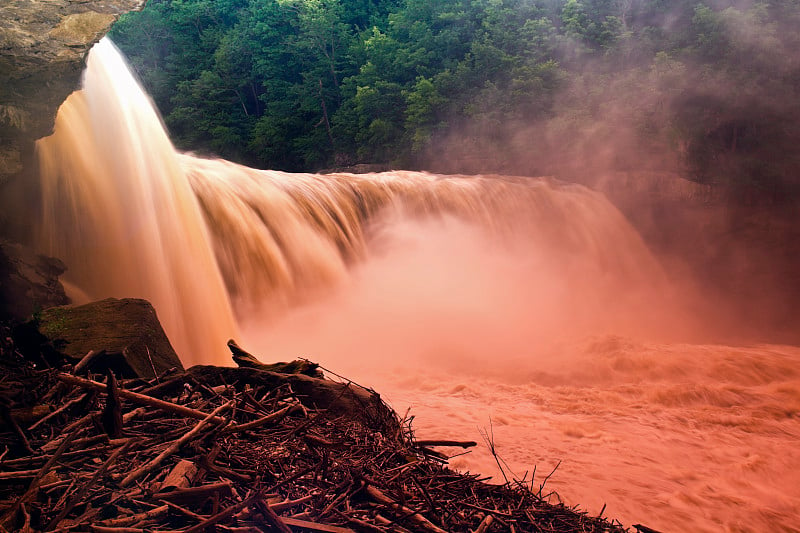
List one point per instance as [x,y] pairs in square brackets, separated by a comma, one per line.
[239,449]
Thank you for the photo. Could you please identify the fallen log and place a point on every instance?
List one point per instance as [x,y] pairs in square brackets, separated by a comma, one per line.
[175,446]
[453,443]
[411,514]
[314,526]
[139,398]
[247,360]
[188,495]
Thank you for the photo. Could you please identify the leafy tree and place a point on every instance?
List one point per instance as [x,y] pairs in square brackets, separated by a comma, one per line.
[309,84]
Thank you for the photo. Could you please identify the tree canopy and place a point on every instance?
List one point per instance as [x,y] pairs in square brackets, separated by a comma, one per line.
[709,88]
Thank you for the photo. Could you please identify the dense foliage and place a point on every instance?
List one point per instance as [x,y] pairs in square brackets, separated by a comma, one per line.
[527,86]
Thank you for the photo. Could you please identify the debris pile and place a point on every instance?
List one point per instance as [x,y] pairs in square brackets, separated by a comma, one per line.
[241,450]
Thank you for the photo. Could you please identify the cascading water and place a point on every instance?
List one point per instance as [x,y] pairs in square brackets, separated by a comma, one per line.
[469,298]
[119,210]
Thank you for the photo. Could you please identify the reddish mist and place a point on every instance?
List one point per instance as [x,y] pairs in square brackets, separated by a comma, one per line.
[528,307]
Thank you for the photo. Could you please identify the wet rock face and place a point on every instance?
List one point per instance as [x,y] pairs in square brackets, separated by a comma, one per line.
[43,44]
[28,282]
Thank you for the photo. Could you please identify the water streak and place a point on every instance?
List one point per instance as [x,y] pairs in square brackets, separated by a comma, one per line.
[119,210]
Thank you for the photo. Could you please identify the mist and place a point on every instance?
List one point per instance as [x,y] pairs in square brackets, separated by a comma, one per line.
[691,131]
[446,296]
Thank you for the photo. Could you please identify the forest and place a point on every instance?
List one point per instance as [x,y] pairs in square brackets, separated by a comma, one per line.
[531,87]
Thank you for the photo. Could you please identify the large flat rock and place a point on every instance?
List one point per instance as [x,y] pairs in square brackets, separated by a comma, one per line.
[128,330]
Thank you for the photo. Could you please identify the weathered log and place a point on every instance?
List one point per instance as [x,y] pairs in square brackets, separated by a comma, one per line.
[140,398]
[412,515]
[188,495]
[346,399]
[174,447]
[453,443]
[247,360]
[181,476]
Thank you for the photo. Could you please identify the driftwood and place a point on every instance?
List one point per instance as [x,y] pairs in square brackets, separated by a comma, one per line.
[173,447]
[245,359]
[244,450]
[453,443]
[140,398]
[181,475]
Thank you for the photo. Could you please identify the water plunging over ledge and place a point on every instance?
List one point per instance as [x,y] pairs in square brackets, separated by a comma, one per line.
[528,302]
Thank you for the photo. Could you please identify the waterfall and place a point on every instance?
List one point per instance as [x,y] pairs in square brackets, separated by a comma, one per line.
[209,242]
[525,306]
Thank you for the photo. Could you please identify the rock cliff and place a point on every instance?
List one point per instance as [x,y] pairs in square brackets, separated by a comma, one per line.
[43,44]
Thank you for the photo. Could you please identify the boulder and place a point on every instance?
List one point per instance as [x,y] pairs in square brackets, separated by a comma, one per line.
[127,330]
[28,282]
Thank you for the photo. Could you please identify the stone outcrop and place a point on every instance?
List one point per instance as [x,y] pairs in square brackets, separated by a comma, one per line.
[28,282]
[43,44]
[127,331]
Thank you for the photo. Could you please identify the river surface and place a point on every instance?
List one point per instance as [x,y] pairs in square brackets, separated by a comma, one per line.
[678,437]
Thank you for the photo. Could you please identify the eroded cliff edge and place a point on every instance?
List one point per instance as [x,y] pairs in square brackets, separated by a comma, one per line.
[43,46]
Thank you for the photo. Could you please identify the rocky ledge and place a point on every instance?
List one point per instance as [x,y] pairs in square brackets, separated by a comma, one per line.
[43,44]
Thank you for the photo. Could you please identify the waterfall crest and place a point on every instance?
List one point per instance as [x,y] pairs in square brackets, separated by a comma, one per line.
[131,217]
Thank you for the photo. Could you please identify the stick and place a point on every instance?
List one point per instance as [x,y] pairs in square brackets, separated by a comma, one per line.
[195,494]
[414,516]
[58,411]
[35,483]
[460,444]
[209,465]
[644,529]
[271,517]
[78,496]
[140,398]
[281,506]
[277,415]
[227,513]
[305,524]
[5,413]
[485,524]
[104,529]
[541,487]
[175,446]
[185,511]
[83,363]
[124,521]
[18,474]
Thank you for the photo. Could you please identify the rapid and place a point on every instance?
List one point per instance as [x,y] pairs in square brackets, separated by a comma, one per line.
[523,313]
